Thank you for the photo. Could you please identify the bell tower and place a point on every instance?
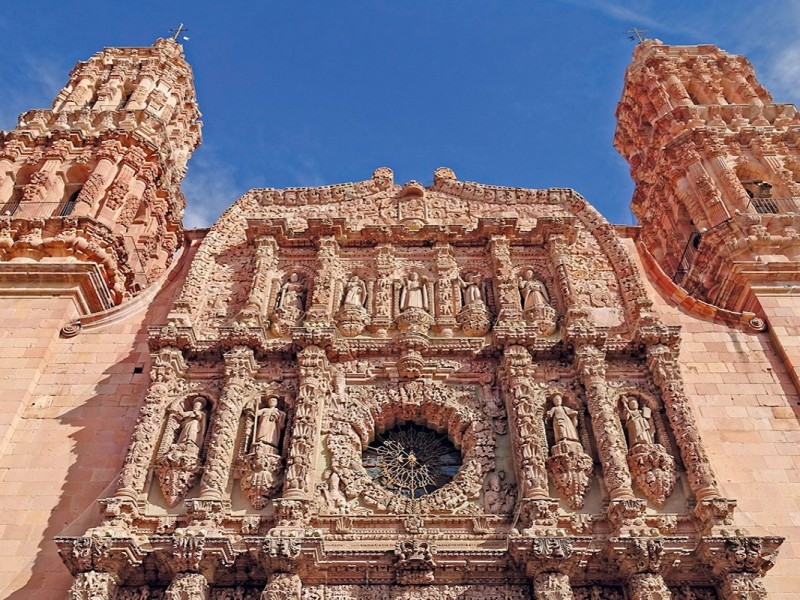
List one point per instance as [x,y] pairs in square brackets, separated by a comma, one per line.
[716,165]
[90,189]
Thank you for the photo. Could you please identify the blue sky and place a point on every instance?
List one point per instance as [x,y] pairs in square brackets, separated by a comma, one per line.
[518,93]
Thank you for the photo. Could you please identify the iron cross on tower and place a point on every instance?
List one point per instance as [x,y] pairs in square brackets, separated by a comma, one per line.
[177,32]
[635,34]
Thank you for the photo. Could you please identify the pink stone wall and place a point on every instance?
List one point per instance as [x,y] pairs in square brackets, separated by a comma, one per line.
[748,411]
[68,409]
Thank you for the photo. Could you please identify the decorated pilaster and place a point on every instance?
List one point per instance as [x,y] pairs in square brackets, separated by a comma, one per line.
[382,313]
[639,562]
[526,423]
[508,294]
[167,376]
[314,390]
[666,373]
[590,362]
[447,288]
[266,259]
[320,311]
[93,585]
[240,367]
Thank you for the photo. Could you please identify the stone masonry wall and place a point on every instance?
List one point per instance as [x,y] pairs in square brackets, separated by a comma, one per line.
[748,411]
[68,429]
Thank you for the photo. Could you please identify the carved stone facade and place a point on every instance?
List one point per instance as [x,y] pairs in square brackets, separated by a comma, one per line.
[389,391]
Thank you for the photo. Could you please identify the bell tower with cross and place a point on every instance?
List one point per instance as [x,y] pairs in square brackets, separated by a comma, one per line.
[716,162]
[95,180]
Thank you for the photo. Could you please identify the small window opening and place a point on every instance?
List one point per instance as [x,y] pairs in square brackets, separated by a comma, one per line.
[67,207]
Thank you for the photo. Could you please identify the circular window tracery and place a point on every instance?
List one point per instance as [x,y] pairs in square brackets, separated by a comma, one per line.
[412,460]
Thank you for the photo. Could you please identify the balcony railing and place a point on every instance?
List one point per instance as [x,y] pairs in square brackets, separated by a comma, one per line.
[32,210]
[687,259]
[775,206]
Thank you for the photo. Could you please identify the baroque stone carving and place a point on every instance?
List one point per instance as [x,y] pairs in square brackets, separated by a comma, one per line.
[290,305]
[261,467]
[536,305]
[569,466]
[180,462]
[651,466]
[474,317]
[352,318]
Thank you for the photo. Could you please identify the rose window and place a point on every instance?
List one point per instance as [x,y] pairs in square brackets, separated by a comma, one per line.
[412,460]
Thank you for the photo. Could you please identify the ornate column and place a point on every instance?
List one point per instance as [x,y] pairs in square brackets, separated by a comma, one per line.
[283,586]
[526,422]
[558,248]
[314,379]
[664,367]
[93,188]
[606,425]
[167,376]
[320,310]
[265,262]
[240,386]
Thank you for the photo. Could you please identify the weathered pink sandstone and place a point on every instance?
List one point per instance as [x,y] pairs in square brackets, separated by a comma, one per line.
[197,424]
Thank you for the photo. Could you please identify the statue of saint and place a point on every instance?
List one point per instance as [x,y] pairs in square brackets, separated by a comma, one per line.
[355,292]
[471,289]
[638,422]
[533,292]
[292,293]
[414,293]
[565,420]
[192,425]
[270,421]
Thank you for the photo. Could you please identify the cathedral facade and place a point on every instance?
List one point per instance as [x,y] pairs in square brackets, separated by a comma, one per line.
[385,390]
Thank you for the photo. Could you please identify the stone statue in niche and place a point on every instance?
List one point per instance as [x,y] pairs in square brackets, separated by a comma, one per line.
[638,422]
[565,420]
[414,305]
[355,292]
[535,302]
[292,295]
[414,293]
[352,318]
[651,466]
[569,466]
[179,464]
[270,421]
[498,496]
[261,467]
[193,426]
[290,305]
[474,316]
[533,292]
